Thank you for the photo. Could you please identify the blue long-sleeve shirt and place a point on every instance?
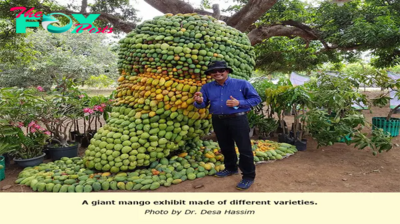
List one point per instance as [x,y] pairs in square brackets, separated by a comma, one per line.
[216,96]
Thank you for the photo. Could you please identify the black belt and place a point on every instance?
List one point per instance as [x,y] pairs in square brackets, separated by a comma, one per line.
[221,116]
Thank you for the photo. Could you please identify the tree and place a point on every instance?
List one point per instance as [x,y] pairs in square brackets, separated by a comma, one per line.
[321,32]
[55,56]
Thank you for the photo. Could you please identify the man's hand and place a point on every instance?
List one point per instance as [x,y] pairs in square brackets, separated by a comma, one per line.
[232,102]
[198,97]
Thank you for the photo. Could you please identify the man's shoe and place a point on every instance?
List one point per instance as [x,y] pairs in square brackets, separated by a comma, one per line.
[226,173]
[244,184]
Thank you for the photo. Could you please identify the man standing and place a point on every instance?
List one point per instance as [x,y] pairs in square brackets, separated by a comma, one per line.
[230,99]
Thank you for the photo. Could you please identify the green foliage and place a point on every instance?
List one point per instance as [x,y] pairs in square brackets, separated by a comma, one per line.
[331,116]
[8,137]
[381,79]
[19,105]
[260,85]
[76,56]
[362,73]
[285,55]
[379,142]
[341,34]
[265,125]
[330,129]
[335,94]
[101,81]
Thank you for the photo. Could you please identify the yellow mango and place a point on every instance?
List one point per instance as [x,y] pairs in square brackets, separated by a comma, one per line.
[162,82]
[167,107]
[190,107]
[179,87]
[184,105]
[143,80]
[149,81]
[159,97]
[190,101]
[155,82]
[138,115]
[121,78]
[166,98]
[168,83]
[186,88]
[153,103]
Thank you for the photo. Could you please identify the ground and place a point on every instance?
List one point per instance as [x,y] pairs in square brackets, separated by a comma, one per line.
[337,168]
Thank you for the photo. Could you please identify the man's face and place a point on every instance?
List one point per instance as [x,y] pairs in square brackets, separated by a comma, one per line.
[219,74]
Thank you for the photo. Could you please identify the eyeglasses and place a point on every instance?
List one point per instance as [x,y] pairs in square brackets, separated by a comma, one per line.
[222,70]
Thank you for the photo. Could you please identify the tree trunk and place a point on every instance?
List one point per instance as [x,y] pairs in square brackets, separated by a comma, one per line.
[264,32]
[250,13]
[171,6]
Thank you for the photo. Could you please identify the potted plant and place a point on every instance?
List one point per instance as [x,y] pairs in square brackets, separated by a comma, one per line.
[98,106]
[266,126]
[253,119]
[54,116]
[388,123]
[277,99]
[300,99]
[55,112]
[32,143]
[339,118]
[261,85]
[18,109]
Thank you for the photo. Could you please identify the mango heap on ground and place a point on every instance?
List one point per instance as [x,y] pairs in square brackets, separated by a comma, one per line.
[162,64]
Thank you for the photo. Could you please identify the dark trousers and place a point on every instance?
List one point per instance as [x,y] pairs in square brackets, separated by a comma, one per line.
[235,130]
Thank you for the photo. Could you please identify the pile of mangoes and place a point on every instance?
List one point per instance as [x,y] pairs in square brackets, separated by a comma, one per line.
[162,64]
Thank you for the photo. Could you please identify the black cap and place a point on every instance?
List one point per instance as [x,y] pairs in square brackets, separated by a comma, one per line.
[217,65]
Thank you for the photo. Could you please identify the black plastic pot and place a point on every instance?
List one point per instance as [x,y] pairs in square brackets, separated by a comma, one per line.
[285,138]
[73,135]
[290,140]
[299,126]
[78,138]
[280,129]
[57,152]
[30,162]
[301,145]
[291,134]
[7,159]
[85,142]
[281,138]
[47,152]
[91,133]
